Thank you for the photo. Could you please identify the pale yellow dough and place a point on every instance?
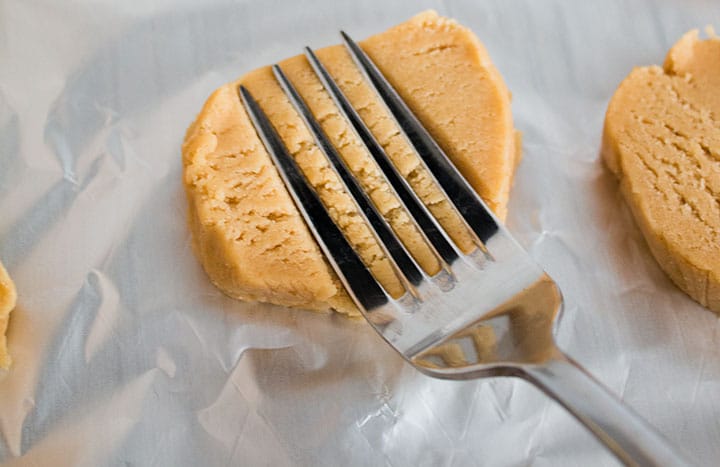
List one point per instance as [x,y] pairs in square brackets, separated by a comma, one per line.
[249,236]
[8,297]
[662,140]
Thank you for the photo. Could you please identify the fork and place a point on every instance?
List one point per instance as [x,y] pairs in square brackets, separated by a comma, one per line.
[490,312]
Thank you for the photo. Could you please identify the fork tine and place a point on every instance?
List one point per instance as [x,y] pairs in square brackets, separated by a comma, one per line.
[405,266]
[470,206]
[433,232]
[362,286]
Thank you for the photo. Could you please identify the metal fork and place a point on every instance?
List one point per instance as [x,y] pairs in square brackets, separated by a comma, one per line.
[488,313]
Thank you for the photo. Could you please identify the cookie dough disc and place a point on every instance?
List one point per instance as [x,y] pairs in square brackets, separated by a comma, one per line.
[662,140]
[248,234]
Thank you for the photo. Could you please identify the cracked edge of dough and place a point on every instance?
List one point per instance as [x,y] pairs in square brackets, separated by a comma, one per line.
[209,243]
[8,297]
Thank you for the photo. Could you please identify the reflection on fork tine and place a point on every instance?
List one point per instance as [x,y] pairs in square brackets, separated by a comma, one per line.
[458,191]
[337,249]
[496,320]
[405,266]
[433,232]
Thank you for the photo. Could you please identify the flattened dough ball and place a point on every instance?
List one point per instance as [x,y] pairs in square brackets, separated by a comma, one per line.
[247,232]
[662,140]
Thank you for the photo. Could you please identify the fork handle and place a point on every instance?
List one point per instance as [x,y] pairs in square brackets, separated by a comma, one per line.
[614,424]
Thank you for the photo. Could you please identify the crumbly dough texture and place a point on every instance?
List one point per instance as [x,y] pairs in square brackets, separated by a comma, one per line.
[8,297]
[662,140]
[248,234]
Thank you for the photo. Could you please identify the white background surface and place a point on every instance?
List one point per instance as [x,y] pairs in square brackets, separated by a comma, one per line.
[126,355]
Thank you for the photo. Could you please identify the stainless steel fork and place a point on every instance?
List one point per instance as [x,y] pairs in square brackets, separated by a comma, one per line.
[488,313]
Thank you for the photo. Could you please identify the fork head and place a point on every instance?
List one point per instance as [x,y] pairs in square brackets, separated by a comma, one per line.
[487,312]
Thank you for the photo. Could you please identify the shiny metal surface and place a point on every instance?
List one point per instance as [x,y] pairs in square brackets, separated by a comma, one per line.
[427,224]
[471,207]
[498,315]
[403,264]
[336,247]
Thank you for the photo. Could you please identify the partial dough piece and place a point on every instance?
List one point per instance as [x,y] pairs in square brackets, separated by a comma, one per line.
[247,232]
[8,297]
[662,140]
